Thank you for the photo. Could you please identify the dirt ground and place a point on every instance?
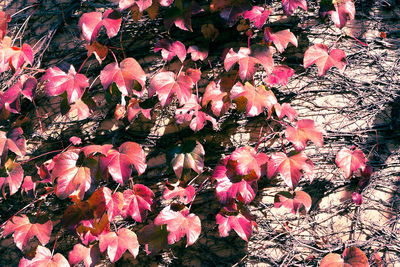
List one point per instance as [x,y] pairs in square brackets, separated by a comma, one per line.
[360,106]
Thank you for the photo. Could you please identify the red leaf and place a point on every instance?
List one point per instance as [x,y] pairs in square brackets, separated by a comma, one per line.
[230,185]
[14,141]
[134,109]
[357,198]
[179,224]
[290,167]
[142,4]
[119,162]
[318,54]
[14,178]
[4,19]
[247,58]
[124,76]
[44,257]
[299,200]
[91,23]
[289,6]
[219,99]
[258,15]
[194,74]
[352,256]
[10,99]
[89,255]
[257,98]
[18,56]
[242,225]
[117,243]
[344,11]
[166,84]
[24,231]
[304,130]
[72,179]
[189,155]
[170,49]
[191,112]
[137,201]
[285,110]
[59,82]
[280,39]
[185,194]
[350,160]
[279,75]
[100,51]
[114,203]
[197,53]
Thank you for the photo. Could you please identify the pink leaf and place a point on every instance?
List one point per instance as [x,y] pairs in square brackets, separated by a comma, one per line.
[290,168]
[258,15]
[219,99]
[295,202]
[242,225]
[231,185]
[24,231]
[289,6]
[285,110]
[182,17]
[166,84]
[304,130]
[124,76]
[59,82]
[179,224]
[247,59]
[10,99]
[357,198]
[117,243]
[350,160]
[185,194]
[134,109]
[75,140]
[142,4]
[197,53]
[119,162]
[14,141]
[280,39]
[137,201]
[4,19]
[114,203]
[79,110]
[279,75]
[246,161]
[91,23]
[318,54]
[28,185]
[89,255]
[344,11]
[44,257]
[14,178]
[191,112]
[19,56]
[71,178]
[170,49]
[257,98]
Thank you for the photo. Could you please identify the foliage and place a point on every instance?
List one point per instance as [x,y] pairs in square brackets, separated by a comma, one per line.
[80,175]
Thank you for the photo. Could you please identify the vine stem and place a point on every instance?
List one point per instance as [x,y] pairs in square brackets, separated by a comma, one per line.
[27,206]
[197,191]
[83,64]
[44,154]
